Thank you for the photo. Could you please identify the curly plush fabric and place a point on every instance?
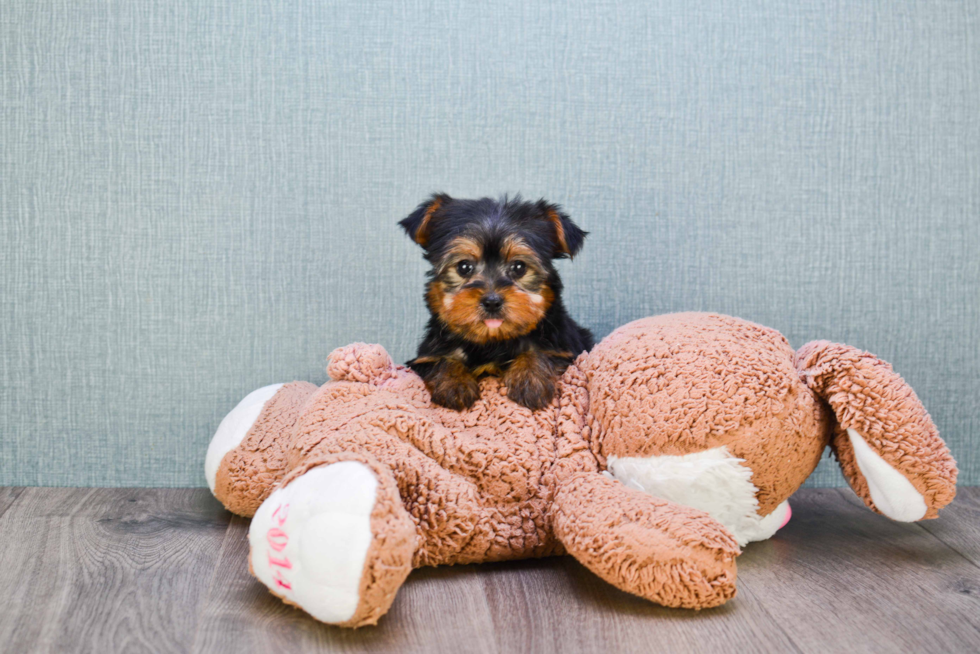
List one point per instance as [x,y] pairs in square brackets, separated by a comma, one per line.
[709,422]
[691,382]
[389,556]
[872,399]
[667,553]
[251,471]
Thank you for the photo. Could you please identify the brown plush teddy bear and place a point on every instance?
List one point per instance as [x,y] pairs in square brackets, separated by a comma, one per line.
[675,441]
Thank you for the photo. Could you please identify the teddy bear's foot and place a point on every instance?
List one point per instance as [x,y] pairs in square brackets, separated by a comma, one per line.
[233,428]
[334,540]
[246,459]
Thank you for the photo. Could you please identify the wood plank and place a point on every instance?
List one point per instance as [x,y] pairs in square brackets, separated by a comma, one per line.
[558,605]
[8,495]
[437,610]
[106,570]
[958,525]
[841,578]
[166,570]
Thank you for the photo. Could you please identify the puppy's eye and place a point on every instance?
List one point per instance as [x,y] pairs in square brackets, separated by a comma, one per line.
[464,268]
[517,269]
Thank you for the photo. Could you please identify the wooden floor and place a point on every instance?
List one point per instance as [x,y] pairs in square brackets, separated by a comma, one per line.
[118,570]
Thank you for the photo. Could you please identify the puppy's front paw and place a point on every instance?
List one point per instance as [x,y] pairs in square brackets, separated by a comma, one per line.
[530,381]
[456,396]
[452,385]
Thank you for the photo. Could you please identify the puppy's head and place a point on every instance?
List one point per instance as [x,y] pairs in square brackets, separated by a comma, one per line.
[492,277]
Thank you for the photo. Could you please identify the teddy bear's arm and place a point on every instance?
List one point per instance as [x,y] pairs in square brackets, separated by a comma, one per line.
[887,445]
[670,554]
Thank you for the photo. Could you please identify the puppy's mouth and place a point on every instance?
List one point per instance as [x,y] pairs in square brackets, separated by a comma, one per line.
[493,323]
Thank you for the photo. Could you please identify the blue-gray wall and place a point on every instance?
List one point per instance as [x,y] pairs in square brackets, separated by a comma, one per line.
[197,199]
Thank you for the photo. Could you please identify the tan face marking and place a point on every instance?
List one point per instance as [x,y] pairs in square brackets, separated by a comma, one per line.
[515,248]
[461,249]
[456,299]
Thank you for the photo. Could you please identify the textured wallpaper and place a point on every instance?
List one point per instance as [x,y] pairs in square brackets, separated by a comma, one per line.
[197,198]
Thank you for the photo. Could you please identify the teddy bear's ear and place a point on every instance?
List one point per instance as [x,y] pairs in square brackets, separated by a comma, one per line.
[360,362]
[568,237]
[419,223]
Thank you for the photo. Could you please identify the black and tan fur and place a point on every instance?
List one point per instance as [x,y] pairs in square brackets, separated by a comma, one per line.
[492,261]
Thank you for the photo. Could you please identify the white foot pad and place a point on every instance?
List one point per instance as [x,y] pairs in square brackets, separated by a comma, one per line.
[233,428]
[712,481]
[309,540]
[892,493]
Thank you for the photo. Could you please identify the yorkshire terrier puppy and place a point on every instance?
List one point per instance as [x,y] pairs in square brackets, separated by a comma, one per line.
[495,298]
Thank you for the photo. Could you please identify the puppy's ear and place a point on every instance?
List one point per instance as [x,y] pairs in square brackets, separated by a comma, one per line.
[419,223]
[569,238]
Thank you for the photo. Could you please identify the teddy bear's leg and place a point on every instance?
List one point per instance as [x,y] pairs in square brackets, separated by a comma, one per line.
[334,539]
[247,455]
[887,445]
[444,506]
[670,554]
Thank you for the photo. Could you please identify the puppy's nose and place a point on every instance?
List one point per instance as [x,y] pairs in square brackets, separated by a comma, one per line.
[491,302]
